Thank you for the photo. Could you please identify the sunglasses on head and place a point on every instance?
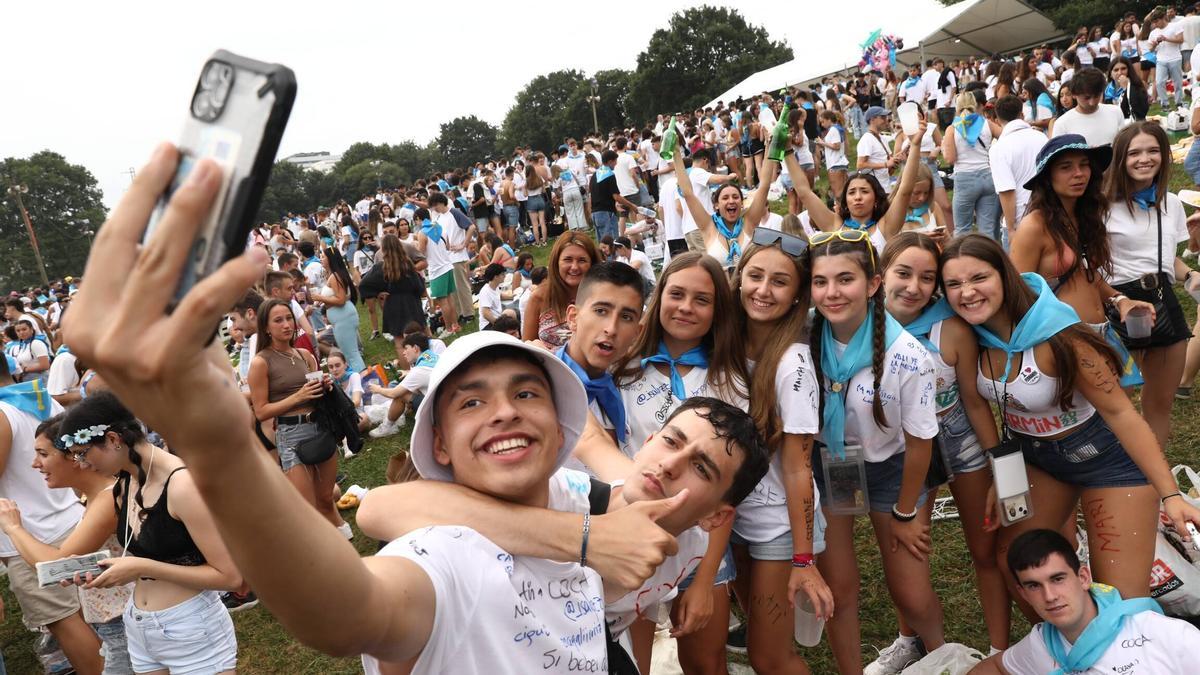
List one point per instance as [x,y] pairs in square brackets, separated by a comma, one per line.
[788,243]
[851,236]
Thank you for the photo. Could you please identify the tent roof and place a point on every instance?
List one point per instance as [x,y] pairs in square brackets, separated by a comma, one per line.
[968,28]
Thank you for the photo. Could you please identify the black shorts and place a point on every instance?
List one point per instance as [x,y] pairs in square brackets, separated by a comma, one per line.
[757,147]
[1170,325]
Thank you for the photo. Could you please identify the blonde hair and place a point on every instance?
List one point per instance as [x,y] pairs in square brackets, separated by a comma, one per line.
[965,103]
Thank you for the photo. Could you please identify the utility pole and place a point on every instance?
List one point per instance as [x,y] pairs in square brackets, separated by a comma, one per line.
[594,98]
[15,191]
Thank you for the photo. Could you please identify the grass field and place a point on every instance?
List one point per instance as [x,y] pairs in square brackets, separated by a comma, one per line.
[265,648]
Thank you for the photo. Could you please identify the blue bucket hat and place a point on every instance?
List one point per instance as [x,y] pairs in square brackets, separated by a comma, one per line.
[1100,155]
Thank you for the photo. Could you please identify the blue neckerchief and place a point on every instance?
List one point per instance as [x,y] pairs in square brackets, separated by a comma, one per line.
[432,230]
[328,241]
[841,131]
[1044,101]
[525,273]
[427,359]
[1113,93]
[603,173]
[731,237]
[807,106]
[917,214]
[62,350]
[443,185]
[1099,634]
[923,324]
[1048,317]
[1147,198]
[566,176]
[601,389]
[344,378]
[852,224]
[696,356]
[912,81]
[969,126]
[839,370]
[28,397]
[510,250]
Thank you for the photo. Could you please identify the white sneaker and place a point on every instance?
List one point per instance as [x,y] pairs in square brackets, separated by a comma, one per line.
[894,658]
[387,428]
[344,528]
[377,413]
[388,337]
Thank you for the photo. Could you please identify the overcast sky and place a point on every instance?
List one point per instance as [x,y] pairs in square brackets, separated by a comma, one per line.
[101,83]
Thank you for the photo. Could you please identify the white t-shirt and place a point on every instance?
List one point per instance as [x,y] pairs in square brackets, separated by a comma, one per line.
[1135,235]
[27,353]
[314,274]
[1013,158]
[835,158]
[915,93]
[945,97]
[48,514]
[452,235]
[438,255]
[766,116]
[363,260]
[703,192]
[1148,644]
[876,152]
[622,612]
[1085,54]
[763,516]
[62,376]
[645,267]
[625,181]
[503,614]
[668,199]
[929,84]
[417,379]
[907,391]
[1168,52]
[1045,72]
[489,298]
[648,402]
[354,384]
[1099,128]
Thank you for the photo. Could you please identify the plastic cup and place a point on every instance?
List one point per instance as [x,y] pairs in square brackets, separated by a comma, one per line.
[314,376]
[910,118]
[1138,323]
[808,627]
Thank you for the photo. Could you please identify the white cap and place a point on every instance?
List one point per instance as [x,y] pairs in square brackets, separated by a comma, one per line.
[570,400]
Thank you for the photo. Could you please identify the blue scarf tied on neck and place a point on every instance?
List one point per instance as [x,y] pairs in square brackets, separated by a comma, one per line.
[969,126]
[852,224]
[922,325]
[1048,317]
[1113,93]
[731,237]
[432,230]
[28,397]
[1147,198]
[696,357]
[1099,634]
[912,81]
[1043,101]
[839,370]
[603,173]
[427,359]
[916,214]
[600,389]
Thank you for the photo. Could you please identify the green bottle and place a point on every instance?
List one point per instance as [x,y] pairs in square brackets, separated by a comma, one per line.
[670,141]
[779,136]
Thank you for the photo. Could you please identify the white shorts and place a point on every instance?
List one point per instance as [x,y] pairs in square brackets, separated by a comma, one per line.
[194,637]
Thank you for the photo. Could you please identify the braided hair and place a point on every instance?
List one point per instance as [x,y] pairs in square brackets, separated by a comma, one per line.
[103,408]
[865,257]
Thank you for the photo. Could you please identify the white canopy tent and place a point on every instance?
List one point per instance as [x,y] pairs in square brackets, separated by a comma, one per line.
[968,28]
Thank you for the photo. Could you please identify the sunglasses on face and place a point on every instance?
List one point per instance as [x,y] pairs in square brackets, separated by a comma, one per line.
[788,243]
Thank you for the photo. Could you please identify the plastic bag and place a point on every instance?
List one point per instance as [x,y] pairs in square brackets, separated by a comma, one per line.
[1174,581]
[1189,549]
[951,658]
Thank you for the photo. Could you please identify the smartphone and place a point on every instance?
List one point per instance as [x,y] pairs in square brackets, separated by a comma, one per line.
[237,115]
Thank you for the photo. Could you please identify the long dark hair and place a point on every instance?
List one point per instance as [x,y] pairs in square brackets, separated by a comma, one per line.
[725,343]
[861,252]
[337,267]
[1019,298]
[1085,234]
[881,197]
[262,320]
[1117,184]
[1035,89]
[104,408]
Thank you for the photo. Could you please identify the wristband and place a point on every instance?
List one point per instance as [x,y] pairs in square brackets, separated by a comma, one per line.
[904,517]
[587,527]
[1173,494]
[802,560]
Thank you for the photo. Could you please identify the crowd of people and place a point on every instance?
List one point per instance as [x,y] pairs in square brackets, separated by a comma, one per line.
[865,290]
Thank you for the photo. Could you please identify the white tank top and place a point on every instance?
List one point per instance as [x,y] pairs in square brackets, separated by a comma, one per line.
[1031,401]
[48,514]
[719,248]
[946,396]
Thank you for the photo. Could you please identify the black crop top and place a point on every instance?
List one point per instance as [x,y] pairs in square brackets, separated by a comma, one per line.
[162,537]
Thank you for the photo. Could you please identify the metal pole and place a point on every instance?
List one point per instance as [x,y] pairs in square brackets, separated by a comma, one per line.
[16,192]
[594,98]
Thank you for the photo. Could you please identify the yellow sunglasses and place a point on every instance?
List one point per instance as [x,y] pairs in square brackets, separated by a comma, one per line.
[847,235]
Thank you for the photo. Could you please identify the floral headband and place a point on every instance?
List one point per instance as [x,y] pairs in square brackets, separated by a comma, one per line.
[82,436]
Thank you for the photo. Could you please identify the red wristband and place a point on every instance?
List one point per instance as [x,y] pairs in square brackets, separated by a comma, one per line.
[802,560]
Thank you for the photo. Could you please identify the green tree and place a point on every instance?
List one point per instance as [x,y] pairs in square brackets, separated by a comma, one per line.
[1069,15]
[536,118]
[368,176]
[65,208]
[702,52]
[612,88]
[285,192]
[465,140]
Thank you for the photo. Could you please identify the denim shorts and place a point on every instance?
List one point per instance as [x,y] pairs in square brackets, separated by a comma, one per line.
[512,215]
[781,548]
[287,437]
[195,636]
[535,203]
[113,647]
[933,169]
[883,480]
[726,573]
[958,441]
[1088,457]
